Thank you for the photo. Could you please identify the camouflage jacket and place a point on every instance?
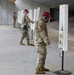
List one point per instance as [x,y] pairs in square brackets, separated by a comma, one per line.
[14,17]
[40,32]
[26,20]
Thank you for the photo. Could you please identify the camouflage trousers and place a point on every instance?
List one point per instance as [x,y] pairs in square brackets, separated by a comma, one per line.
[42,52]
[25,35]
[14,23]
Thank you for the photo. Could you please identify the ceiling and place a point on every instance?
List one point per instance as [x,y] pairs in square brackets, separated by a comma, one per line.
[56,3]
[12,0]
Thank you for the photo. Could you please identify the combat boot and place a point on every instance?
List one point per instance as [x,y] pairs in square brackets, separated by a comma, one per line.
[44,69]
[30,44]
[21,43]
[38,71]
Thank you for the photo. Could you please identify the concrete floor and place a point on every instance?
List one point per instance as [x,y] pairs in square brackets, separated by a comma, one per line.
[21,60]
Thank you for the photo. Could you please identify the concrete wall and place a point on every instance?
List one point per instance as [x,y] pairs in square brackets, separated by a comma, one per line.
[6,12]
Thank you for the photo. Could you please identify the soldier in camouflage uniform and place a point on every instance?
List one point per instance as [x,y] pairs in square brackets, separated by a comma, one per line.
[25,27]
[41,40]
[14,19]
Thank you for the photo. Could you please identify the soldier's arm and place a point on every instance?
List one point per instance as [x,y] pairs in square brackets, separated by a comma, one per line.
[13,16]
[43,32]
[29,21]
[22,20]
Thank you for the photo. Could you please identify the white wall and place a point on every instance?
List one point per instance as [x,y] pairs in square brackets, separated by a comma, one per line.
[23,4]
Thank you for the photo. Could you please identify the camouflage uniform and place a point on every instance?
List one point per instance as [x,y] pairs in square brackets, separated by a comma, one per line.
[41,38]
[25,22]
[14,20]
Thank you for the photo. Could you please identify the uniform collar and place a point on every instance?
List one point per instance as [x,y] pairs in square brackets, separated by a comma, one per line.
[42,19]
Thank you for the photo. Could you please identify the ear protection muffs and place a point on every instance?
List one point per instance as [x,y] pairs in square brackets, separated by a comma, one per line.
[45,17]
